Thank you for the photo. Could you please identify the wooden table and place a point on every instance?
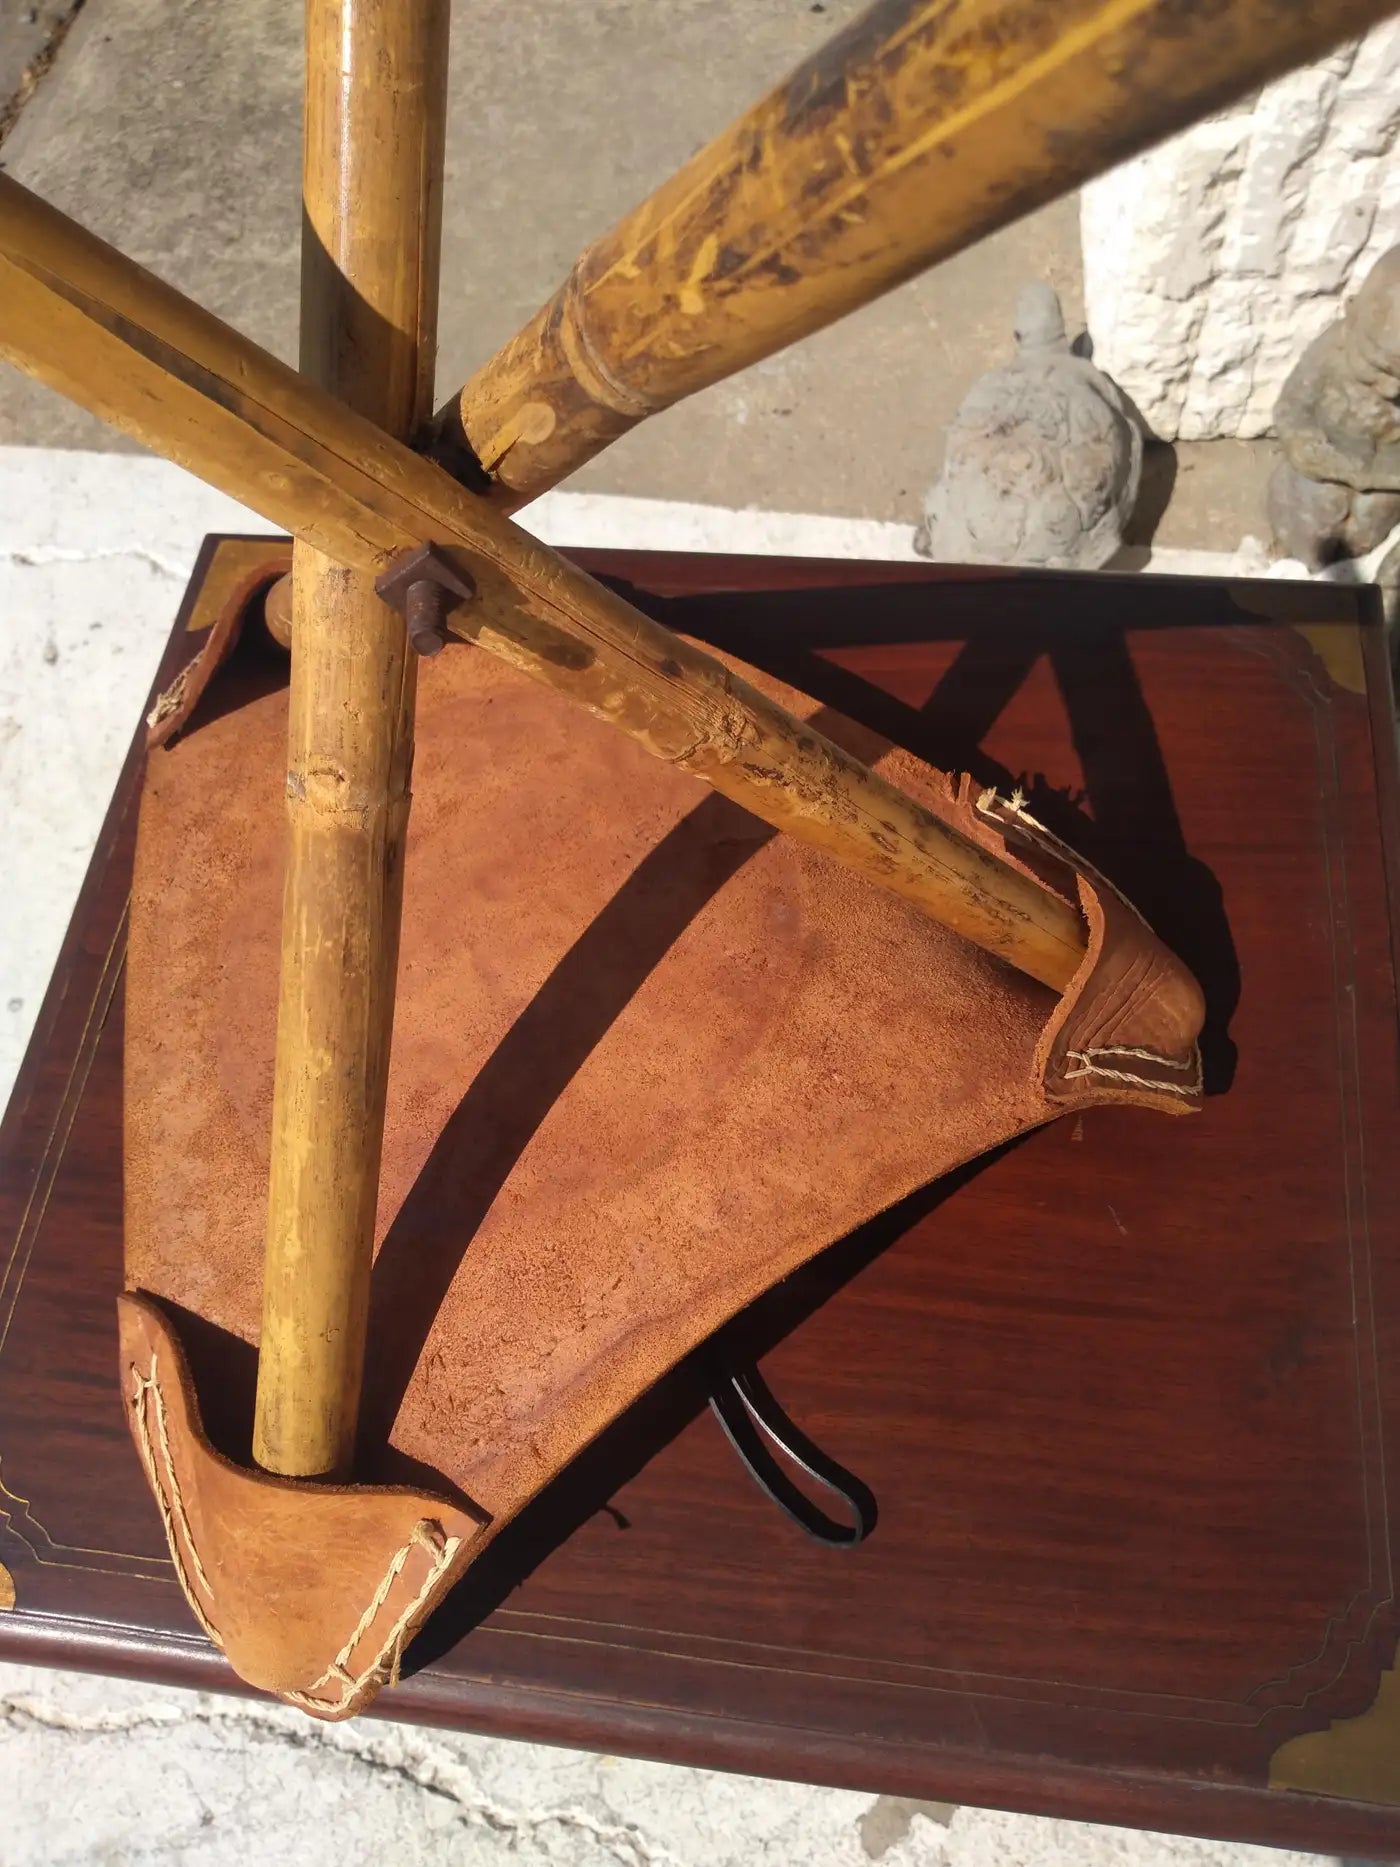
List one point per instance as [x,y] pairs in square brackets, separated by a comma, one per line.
[1126,1393]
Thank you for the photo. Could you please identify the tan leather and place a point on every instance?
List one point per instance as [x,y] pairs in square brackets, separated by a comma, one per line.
[235,571]
[312,1591]
[648,1058]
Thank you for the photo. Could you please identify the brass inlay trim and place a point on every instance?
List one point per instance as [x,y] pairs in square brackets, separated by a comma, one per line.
[231,557]
[14,1269]
[7,1590]
[1311,610]
[1337,646]
[231,562]
[56,1142]
[1358,1758]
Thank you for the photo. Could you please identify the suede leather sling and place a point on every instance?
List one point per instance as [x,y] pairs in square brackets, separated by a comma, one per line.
[648,1058]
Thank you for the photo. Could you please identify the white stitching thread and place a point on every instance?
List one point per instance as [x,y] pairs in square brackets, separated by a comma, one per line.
[422,1534]
[1148,1056]
[172,1511]
[1189,1090]
[377,1600]
[173,697]
[172,1507]
[1036,831]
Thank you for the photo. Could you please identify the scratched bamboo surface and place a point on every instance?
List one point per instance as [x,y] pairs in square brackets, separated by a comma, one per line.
[93,325]
[923,126]
[372,177]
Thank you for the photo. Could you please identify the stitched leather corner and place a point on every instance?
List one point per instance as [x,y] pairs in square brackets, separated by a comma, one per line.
[1128,1026]
[312,1591]
[237,570]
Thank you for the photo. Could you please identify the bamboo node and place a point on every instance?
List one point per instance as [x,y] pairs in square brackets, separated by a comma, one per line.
[589,363]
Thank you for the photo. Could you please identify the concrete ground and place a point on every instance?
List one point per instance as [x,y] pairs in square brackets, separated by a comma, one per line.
[97,1770]
[171,127]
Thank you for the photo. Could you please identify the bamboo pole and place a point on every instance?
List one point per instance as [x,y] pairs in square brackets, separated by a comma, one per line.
[371,192]
[923,126]
[88,322]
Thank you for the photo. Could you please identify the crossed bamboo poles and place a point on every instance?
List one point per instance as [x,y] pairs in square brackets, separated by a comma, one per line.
[921,127]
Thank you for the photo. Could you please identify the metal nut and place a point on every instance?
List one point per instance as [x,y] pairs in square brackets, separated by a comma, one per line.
[424,586]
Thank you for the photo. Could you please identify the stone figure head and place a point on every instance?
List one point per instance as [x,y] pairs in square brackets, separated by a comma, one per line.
[1040,323]
[1372,329]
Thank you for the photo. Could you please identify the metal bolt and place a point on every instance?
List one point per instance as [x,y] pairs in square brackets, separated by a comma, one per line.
[424,586]
[425,612]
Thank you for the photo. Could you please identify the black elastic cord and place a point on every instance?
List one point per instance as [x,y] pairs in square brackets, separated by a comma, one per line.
[753,1421]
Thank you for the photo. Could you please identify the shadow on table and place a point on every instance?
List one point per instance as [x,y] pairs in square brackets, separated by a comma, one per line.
[1125,823]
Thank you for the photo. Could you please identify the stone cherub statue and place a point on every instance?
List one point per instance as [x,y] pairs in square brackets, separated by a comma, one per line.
[1043,458]
[1336,494]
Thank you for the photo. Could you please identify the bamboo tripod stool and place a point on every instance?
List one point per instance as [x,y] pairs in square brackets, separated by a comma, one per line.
[914,132]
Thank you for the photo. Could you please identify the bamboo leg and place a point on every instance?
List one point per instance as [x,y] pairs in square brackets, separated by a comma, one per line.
[375,91]
[82,318]
[922,126]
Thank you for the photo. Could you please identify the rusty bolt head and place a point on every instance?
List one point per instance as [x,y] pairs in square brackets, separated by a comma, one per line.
[424,586]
